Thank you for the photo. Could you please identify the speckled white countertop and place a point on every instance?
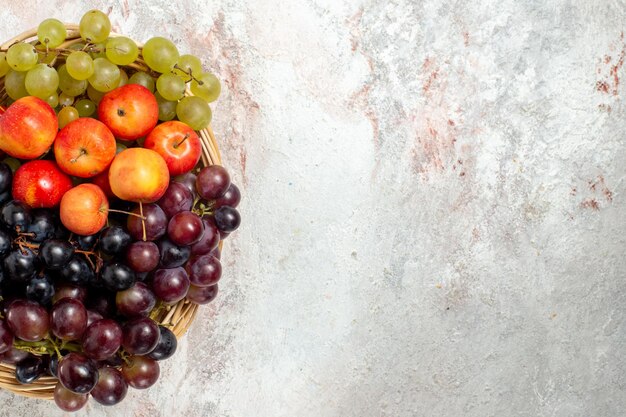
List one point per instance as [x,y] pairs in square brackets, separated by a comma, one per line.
[433,208]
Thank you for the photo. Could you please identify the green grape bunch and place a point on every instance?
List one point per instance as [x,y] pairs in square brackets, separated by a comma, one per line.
[72,73]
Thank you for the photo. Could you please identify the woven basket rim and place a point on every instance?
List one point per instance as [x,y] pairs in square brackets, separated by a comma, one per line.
[177,317]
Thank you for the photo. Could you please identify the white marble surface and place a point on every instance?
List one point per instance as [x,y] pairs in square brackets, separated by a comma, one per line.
[433,208]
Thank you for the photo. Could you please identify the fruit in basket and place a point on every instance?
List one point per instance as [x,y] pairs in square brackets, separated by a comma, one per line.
[84,209]
[22,56]
[139,175]
[27,128]
[106,75]
[94,26]
[130,111]
[177,143]
[51,33]
[84,148]
[41,81]
[160,54]
[69,283]
[40,183]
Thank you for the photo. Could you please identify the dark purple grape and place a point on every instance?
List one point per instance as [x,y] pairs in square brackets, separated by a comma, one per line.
[70,291]
[43,225]
[227,219]
[16,215]
[93,316]
[27,320]
[102,339]
[141,372]
[188,180]
[117,276]
[231,198]
[5,197]
[55,253]
[140,336]
[142,256]
[40,289]
[6,177]
[172,255]
[212,182]
[114,239]
[13,356]
[136,301]
[166,346]
[67,400]
[202,295]
[53,366]
[111,387]
[29,370]
[204,270]
[68,319]
[102,302]
[77,373]
[6,337]
[170,285]
[155,221]
[5,243]
[20,265]
[177,198]
[77,271]
[185,228]
[87,242]
[209,240]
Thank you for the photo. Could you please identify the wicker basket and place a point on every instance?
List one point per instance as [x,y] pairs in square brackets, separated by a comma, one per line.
[177,317]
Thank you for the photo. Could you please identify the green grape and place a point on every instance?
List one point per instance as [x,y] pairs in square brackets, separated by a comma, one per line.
[4,66]
[14,84]
[171,87]
[64,99]
[67,115]
[13,163]
[69,85]
[144,79]
[119,147]
[77,46]
[85,107]
[42,81]
[123,78]
[22,56]
[98,50]
[51,33]
[206,86]
[160,54]
[52,100]
[79,65]
[194,111]
[187,66]
[106,76]
[94,26]
[167,109]
[47,58]
[121,50]
[94,95]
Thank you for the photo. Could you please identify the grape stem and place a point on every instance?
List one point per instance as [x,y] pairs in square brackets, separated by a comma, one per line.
[47,346]
[143,222]
[127,212]
[189,73]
